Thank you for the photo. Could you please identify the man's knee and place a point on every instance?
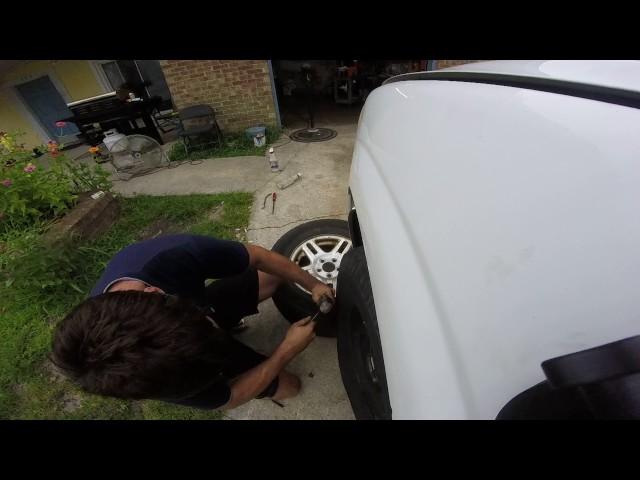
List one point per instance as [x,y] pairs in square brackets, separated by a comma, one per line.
[268,284]
[289,385]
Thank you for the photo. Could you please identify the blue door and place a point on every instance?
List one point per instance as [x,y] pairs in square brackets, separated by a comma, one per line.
[47,105]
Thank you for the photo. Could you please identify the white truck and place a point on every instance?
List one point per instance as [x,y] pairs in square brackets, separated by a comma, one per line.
[493,260]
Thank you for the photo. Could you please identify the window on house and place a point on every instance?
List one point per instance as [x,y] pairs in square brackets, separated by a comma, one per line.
[113,74]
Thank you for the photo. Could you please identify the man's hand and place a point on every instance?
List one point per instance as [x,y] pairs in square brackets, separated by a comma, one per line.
[253,381]
[321,290]
[299,336]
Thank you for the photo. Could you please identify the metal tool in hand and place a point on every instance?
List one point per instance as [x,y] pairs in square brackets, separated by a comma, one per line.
[325,307]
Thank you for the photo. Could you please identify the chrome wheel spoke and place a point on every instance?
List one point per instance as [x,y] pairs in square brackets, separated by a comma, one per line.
[315,246]
[339,245]
[307,251]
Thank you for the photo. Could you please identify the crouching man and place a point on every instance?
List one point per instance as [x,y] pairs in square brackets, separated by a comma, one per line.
[152,329]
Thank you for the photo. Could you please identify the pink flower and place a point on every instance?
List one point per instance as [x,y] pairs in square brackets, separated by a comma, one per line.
[29,168]
[60,124]
[7,182]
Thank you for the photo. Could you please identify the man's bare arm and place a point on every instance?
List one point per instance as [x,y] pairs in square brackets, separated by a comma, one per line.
[253,382]
[281,266]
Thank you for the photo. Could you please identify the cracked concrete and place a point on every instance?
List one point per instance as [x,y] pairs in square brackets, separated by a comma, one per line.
[322,192]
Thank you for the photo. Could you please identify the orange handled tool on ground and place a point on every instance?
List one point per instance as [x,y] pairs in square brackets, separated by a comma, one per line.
[273,196]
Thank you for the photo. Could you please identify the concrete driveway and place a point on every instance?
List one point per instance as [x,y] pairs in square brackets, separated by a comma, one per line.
[321,193]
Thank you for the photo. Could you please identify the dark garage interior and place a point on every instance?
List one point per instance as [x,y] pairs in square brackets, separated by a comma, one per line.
[332,90]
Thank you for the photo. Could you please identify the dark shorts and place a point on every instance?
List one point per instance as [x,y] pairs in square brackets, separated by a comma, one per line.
[232,299]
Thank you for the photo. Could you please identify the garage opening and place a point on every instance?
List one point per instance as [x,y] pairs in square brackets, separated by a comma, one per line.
[335,90]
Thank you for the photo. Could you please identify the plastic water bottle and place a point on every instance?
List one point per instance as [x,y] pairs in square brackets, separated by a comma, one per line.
[273,161]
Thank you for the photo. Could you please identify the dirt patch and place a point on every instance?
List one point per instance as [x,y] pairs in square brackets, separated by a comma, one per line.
[241,235]
[71,402]
[19,390]
[54,373]
[136,409]
[215,214]
[162,226]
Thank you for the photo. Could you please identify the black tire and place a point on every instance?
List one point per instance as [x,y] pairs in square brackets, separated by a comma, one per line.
[359,349]
[293,302]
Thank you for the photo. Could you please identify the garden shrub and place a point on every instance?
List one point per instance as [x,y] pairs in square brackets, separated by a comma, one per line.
[42,183]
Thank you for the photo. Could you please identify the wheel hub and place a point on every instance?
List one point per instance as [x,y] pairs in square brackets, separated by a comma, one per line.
[328,267]
[320,256]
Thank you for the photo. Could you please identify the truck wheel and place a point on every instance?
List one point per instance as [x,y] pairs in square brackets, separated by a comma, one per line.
[359,349]
[318,248]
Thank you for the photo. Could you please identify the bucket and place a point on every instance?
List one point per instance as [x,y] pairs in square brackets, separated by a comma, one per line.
[253,132]
[259,140]
[111,137]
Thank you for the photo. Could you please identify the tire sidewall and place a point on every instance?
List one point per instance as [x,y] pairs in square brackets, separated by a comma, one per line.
[293,303]
[355,297]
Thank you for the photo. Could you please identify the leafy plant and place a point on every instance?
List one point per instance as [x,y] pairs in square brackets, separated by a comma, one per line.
[88,179]
[37,186]
[46,273]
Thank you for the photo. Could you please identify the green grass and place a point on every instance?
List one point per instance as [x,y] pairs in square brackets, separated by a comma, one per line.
[39,284]
[235,145]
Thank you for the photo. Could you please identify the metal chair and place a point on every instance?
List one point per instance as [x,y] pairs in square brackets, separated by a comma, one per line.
[166,122]
[197,124]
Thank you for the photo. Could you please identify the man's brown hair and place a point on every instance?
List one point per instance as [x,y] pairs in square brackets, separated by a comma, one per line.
[132,344]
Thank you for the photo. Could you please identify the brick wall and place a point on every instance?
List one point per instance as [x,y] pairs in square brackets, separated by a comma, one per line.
[238,90]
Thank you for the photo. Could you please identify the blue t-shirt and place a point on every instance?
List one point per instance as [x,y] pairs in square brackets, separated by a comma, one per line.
[178,264]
